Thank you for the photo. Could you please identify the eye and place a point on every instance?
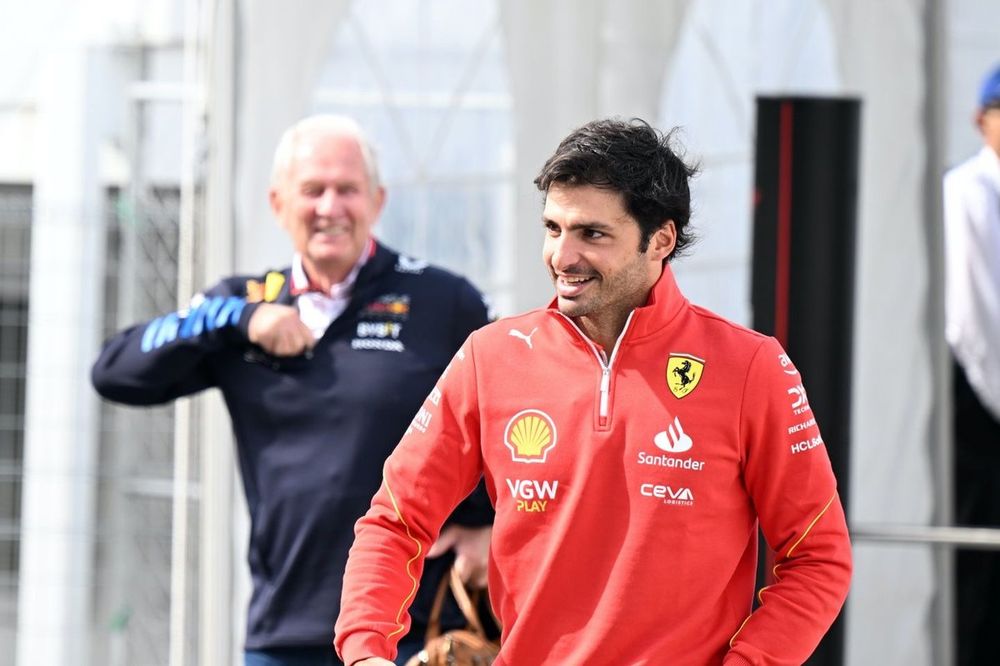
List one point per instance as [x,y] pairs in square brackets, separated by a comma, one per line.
[551,227]
[345,190]
[593,234]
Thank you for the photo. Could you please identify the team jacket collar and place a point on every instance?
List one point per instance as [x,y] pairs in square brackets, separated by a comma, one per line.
[664,304]
[381,260]
[302,284]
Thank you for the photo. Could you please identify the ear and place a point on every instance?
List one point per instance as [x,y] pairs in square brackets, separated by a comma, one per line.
[277,203]
[663,241]
[977,119]
[379,198]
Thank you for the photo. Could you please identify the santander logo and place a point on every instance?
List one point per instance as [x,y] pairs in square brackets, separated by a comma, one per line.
[673,439]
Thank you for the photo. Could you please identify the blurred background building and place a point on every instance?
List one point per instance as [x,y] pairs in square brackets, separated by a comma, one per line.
[136,145]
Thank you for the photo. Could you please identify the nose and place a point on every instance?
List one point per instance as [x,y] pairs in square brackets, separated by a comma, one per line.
[562,252]
[327,203]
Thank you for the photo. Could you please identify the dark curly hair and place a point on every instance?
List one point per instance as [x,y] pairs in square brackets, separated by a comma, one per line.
[630,157]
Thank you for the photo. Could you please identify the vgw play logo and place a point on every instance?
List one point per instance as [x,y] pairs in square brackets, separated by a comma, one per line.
[532,496]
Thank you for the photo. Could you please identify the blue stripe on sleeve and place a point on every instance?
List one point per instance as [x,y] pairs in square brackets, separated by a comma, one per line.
[193,322]
[168,330]
[211,314]
[231,311]
[150,335]
[212,308]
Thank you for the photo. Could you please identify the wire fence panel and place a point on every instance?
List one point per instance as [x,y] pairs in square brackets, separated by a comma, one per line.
[15,240]
[132,598]
[130,589]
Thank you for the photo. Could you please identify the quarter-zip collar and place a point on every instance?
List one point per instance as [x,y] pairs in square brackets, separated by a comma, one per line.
[606,363]
[663,305]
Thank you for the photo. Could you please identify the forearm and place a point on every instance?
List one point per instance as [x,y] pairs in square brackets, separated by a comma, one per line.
[385,565]
[812,575]
[792,486]
[436,465]
[163,359]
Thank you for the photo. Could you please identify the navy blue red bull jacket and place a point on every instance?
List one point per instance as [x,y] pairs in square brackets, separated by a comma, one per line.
[312,431]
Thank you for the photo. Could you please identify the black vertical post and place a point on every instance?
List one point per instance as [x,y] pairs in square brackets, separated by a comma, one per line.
[805,205]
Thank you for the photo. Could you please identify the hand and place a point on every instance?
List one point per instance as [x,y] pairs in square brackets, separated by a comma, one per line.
[373,661]
[279,331]
[472,551]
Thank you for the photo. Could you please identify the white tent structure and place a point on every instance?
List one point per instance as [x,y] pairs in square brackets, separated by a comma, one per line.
[465,99]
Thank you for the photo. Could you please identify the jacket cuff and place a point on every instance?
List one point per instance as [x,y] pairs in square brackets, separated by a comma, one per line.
[363,645]
[735,659]
[243,325]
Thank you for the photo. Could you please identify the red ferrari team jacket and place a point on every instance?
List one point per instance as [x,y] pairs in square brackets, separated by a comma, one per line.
[628,488]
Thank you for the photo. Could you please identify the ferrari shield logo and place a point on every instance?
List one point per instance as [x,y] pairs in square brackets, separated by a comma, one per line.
[683,373]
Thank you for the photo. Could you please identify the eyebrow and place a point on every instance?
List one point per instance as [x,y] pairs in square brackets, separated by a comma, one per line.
[322,182]
[582,224]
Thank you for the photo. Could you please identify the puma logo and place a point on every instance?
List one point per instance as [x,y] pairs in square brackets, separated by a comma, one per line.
[521,336]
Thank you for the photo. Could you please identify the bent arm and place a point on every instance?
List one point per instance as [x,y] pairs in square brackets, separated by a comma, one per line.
[789,477]
[435,466]
[471,313]
[164,359]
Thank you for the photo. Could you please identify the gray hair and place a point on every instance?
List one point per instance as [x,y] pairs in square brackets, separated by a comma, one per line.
[326,123]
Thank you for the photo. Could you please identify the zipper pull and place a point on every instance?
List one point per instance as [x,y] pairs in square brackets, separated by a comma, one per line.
[605,389]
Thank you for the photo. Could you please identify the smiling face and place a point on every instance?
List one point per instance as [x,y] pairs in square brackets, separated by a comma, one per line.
[592,254]
[326,203]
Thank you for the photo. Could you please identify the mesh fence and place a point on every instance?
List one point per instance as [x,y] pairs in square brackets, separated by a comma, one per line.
[15,238]
[130,589]
[132,597]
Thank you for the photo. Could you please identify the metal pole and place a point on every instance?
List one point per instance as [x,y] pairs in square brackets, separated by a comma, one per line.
[980,538]
[941,409]
[220,631]
[185,285]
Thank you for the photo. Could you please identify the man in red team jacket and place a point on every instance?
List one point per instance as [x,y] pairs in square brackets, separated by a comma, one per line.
[631,443]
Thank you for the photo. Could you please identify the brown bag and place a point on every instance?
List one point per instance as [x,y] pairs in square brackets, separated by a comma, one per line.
[459,647]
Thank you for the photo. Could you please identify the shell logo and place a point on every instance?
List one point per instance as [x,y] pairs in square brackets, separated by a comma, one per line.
[530,435]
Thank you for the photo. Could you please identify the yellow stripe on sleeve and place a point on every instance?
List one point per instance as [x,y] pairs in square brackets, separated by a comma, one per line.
[774,571]
[811,525]
[409,563]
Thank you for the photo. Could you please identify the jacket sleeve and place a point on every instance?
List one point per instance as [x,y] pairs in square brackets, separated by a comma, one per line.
[437,463]
[163,359]
[790,481]
[471,313]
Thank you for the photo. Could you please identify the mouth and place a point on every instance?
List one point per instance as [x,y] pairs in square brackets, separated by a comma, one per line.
[570,286]
[330,233]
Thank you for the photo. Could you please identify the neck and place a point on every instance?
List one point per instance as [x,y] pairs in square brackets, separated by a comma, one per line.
[606,326]
[602,330]
[324,276]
